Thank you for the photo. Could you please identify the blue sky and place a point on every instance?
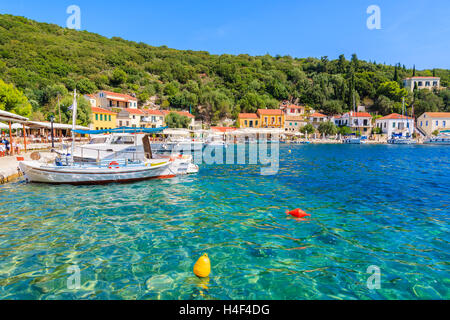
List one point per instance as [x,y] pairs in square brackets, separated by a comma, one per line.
[412,31]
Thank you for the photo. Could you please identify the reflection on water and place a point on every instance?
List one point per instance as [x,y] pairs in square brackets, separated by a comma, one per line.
[371,205]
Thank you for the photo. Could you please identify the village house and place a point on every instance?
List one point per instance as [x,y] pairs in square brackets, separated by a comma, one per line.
[112,100]
[432,121]
[317,118]
[248,120]
[103,119]
[91,98]
[395,123]
[271,118]
[130,118]
[152,119]
[422,83]
[357,121]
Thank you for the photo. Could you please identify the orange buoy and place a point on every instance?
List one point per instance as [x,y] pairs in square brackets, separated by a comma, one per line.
[298,213]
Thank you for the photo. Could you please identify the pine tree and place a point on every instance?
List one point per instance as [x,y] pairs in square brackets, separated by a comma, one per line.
[414,71]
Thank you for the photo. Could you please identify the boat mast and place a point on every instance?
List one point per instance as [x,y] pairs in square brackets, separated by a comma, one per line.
[74,120]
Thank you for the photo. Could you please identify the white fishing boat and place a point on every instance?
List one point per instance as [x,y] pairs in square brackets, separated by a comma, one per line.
[66,170]
[443,138]
[119,171]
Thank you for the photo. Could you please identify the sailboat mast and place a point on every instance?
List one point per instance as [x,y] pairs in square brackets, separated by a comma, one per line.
[74,120]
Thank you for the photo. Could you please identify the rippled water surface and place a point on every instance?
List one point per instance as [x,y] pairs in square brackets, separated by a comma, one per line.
[387,206]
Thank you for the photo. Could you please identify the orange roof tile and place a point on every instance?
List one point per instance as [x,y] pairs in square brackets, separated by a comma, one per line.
[134,111]
[181,113]
[318,115]
[438,114]
[270,112]
[101,110]
[394,116]
[120,95]
[248,116]
[153,112]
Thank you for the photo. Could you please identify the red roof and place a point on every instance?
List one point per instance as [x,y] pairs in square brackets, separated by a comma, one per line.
[248,116]
[101,110]
[223,129]
[359,114]
[438,114]
[394,116]
[134,111]
[120,95]
[270,112]
[153,112]
[317,115]
[293,106]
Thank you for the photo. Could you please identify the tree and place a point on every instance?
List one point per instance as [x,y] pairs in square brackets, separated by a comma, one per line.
[345,131]
[13,100]
[328,128]
[84,113]
[118,77]
[308,128]
[85,86]
[174,120]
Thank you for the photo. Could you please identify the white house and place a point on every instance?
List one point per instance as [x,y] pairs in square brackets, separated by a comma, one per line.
[432,121]
[422,83]
[130,118]
[317,118]
[395,123]
[152,119]
[361,121]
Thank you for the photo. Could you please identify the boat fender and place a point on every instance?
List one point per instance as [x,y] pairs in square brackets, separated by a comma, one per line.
[298,213]
[202,268]
[114,164]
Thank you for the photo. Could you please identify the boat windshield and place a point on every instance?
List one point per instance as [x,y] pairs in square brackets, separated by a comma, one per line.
[98,140]
[122,140]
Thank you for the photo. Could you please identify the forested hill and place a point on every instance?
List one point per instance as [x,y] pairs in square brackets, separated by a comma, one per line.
[45,61]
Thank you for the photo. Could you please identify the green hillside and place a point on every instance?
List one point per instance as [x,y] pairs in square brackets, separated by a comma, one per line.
[45,61]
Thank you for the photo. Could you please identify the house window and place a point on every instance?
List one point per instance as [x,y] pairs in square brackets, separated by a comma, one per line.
[420,83]
[109,117]
[120,123]
[435,83]
[101,117]
[427,84]
[407,125]
[385,124]
[444,123]
[393,125]
[251,123]
[134,117]
[426,123]
[256,122]
[245,122]
[421,123]
[96,117]
[437,123]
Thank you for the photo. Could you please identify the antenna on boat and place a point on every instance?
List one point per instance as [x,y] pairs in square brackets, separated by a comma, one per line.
[74,120]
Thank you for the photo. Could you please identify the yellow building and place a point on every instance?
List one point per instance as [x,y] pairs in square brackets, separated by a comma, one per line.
[271,118]
[248,120]
[103,119]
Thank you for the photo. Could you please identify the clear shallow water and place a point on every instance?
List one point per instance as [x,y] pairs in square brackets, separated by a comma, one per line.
[387,206]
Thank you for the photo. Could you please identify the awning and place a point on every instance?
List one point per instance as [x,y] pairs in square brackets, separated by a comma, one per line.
[48,125]
[121,130]
[8,116]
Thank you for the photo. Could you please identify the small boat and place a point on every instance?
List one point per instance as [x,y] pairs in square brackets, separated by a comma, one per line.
[65,170]
[354,140]
[441,139]
[400,139]
[83,174]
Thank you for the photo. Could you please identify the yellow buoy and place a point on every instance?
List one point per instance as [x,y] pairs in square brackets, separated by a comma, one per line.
[202,268]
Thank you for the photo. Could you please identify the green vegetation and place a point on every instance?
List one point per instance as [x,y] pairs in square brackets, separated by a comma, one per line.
[13,100]
[46,62]
[307,129]
[175,120]
[328,128]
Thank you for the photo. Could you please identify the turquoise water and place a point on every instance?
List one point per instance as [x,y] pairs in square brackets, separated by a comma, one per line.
[386,206]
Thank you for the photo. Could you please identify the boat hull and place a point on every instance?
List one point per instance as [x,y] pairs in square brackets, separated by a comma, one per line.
[36,172]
